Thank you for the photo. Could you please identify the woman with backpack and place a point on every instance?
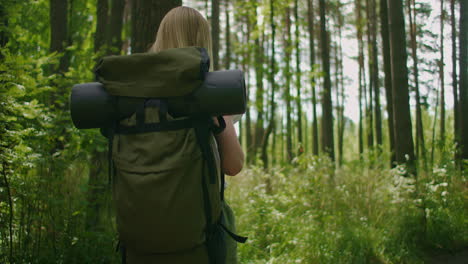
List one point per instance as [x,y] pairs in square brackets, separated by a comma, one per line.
[169,169]
[184,27]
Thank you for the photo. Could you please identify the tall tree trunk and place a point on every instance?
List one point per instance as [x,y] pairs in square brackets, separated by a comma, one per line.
[359,26]
[146,17]
[59,31]
[271,126]
[102,14]
[227,63]
[337,103]
[454,71]
[388,76]
[215,32]
[375,73]
[114,40]
[246,69]
[402,119]
[463,87]
[298,77]
[370,107]
[420,146]
[287,92]
[311,27]
[340,100]
[259,101]
[327,107]
[442,77]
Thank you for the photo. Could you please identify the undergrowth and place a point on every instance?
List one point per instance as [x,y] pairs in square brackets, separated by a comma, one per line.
[312,213]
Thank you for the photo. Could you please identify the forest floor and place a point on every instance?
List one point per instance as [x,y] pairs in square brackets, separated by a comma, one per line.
[460,257]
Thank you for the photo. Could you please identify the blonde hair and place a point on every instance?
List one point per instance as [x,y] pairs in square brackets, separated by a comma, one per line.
[183,27]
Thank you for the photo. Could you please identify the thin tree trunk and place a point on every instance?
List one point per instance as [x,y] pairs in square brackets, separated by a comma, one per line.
[114,40]
[259,101]
[215,32]
[463,87]
[420,146]
[375,73]
[287,91]
[388,76]
[271,125]
[245,67]
[146,17]
[338,104]
[454,73]
[402,119]
[359,26]
[228,36]
[370,107]
[340,84]
[102,14]
[59,31]
[327,107]
[298,77]
[311,27]
[442,77]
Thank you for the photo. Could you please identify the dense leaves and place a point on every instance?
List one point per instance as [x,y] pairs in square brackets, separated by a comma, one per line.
[294,206]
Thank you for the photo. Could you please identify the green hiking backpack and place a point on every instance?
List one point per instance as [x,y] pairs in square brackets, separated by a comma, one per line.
[167,184]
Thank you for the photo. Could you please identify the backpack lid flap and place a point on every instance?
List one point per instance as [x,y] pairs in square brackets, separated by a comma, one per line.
[168,73]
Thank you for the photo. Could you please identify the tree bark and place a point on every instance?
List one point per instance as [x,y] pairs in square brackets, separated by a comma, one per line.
[102,13]
[271,125]
[114,40]
[227,63]
[259,101]
[454,72]
[375,73]
[420,146]
[340,94]
[59,32]
[298,78]
[327,107]
[442,77]
[215,32]
[370,106]
[146,18]
[287,91]
[402,119]
[311,27]
[463,87]
[361,77]
[388,76]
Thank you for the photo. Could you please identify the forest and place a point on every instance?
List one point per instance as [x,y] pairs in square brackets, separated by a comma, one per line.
[355,134]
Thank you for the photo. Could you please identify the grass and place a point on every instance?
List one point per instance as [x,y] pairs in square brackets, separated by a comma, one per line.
[308,214]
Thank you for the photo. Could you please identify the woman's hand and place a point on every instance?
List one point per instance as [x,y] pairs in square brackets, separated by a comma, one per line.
[230,151]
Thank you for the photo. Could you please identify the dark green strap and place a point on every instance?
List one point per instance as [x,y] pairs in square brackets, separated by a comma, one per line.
[237,238]
[155,127]
[202,132]
[218,129]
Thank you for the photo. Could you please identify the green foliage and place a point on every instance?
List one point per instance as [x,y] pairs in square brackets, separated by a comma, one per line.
[305,212]
[356,215]
[43,158]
